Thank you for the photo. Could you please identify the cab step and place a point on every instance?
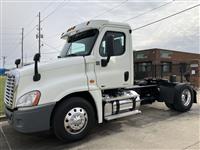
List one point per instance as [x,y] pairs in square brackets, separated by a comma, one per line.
[111,117]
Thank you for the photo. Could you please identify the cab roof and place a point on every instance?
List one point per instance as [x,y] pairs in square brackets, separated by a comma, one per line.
[93,24]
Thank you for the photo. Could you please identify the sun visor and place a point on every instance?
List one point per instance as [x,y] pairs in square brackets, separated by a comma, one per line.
[73,31]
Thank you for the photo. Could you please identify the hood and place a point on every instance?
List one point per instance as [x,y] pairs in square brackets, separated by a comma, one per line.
[66,73]
[50,65]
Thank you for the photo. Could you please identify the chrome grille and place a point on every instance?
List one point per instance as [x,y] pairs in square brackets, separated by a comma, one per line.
[9,90]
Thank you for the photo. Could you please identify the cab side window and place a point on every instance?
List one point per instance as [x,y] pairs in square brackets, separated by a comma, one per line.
[119,44]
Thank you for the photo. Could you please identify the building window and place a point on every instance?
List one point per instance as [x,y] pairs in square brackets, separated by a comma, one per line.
[144,67]
[166,67]
[140,55]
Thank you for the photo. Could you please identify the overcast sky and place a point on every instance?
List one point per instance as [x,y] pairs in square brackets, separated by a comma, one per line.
[179,33]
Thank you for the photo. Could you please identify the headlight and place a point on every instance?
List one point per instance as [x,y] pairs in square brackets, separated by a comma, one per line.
[29,99]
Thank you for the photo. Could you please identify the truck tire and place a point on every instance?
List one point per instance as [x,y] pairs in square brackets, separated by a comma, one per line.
[184,98]
[170,106]
[73,119]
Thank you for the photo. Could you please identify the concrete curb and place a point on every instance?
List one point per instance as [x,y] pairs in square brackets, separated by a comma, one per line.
[2,118]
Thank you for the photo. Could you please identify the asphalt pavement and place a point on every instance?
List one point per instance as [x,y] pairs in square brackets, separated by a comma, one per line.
[156,128]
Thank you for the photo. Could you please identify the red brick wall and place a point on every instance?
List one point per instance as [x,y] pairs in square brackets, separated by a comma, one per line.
[157,56]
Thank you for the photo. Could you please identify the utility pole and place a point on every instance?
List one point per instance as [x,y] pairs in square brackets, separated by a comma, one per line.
[39,35]
[22,47]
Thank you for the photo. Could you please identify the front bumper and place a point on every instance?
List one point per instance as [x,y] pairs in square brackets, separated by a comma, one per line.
[29,120]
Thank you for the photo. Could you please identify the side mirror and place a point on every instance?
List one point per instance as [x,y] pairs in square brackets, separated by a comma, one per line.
[109,44]
[36,57]
[17,62]
[109,48]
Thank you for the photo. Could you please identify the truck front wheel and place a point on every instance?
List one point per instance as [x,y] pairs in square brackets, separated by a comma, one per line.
[73,119]
[170,106]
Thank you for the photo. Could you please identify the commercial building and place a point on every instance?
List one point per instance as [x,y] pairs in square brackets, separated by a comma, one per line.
[161,63]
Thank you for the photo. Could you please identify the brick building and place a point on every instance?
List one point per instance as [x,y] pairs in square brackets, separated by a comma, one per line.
[161,63]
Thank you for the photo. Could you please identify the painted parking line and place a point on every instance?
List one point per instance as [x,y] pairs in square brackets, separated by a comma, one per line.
[4,136]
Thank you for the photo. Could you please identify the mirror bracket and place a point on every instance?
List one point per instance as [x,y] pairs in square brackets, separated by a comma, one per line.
[104,62]
[36,76]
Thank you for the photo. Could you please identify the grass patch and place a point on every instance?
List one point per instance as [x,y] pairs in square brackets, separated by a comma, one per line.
[2,84]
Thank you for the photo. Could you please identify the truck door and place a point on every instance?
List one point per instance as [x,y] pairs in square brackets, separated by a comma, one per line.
[118,70]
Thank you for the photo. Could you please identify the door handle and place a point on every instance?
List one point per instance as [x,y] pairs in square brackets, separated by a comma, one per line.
[97,63]
[126,76]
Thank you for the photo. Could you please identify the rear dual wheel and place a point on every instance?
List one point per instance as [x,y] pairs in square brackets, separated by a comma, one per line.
[183,100]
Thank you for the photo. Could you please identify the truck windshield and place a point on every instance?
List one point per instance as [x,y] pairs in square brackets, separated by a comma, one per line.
[80,44]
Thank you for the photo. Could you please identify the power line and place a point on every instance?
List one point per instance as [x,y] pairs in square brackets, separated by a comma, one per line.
[29,31]
[45,8]
[30,23]
[52,47]
[53,36]
[51,13]
[144,13]
[183,32]
[16,43]
[164,18]
[111,9]
[15,46]
[54,52]
[36,25]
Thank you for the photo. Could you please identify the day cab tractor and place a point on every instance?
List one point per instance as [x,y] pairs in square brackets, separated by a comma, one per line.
[91,81]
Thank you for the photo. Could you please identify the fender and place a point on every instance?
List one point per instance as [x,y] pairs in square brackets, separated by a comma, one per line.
[95,97]
[169,90]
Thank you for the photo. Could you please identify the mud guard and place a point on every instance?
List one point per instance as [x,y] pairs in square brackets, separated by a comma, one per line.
[169,90]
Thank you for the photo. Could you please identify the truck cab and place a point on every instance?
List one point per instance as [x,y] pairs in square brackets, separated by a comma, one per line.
[91,81]
[90,41]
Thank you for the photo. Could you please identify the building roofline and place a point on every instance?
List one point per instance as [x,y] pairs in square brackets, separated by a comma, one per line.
[167,50]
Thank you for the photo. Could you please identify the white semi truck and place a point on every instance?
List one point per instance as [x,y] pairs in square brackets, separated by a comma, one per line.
[91,81]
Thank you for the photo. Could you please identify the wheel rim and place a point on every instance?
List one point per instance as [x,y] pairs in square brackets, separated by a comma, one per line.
[75,120]
[186,97]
